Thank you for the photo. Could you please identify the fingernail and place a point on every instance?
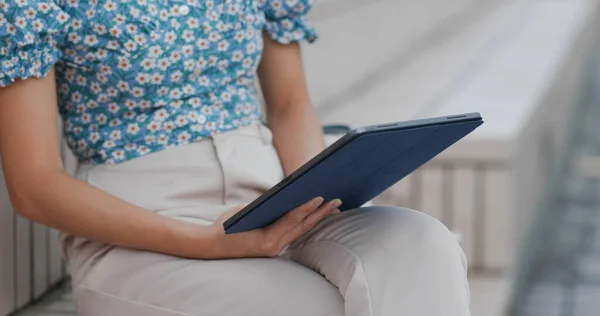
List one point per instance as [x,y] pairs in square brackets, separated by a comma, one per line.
[335,203]
[316,201]
[335,211]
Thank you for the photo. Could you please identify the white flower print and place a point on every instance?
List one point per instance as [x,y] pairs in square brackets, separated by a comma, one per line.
[163,64]
[223,45]
[128,65]
[139,92]
[42,7]
[169,126]
[81,80]
[116,31]
[21,22]
[124,64]
[163,139]
[144,104]
[164,15]
[118,154]
[189,89]
[86,117]
[109,144]
[204,81]
[95,87]
[101,119]
[193,23]
[175,93]
[188,35]
[142,78]
[187,50]
[76,24]
[175,56]
[112,44]
[102,78]
[214,36]
[157,78]
[223,65]
[123,86]
[113,108]
[202,44]
[170,37]
[140,40]
[155,51]
[189,64]
[94,137]
[110,6]
[90,13]
[101,54]
[149,139]
[100,29]
[114,122]
[175,24]
[103,98]
[133,128]
[143,150]
[131,45]
[30,13]
[154,126]
[176,76]
[129,115]
[183,137]
[162,91]
[161,115]
[181,121]
[92,104]
[195,102]
[237,56]
[130,104]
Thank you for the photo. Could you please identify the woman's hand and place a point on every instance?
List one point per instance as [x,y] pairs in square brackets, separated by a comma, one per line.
[271,240]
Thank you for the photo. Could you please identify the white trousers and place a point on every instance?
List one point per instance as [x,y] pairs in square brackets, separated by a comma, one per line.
[375,261]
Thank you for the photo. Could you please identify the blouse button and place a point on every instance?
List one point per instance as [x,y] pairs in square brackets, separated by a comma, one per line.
[184,10]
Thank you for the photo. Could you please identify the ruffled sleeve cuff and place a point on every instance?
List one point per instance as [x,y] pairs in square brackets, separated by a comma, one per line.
[286,20]
[30,32]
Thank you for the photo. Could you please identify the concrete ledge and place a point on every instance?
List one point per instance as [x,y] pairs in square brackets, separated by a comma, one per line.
[519,63]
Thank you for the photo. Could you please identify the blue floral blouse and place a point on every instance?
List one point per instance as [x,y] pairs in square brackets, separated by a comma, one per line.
[138,76]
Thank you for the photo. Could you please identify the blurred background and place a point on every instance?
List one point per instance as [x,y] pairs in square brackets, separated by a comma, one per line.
[522,193]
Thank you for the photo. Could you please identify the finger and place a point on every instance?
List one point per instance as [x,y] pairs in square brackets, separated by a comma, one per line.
[310,221]
[292,218]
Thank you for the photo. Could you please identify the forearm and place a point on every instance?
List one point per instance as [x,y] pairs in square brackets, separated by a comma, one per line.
[297,134]
[56,199]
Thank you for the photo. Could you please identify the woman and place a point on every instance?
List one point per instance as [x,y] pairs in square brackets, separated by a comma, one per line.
[159,105]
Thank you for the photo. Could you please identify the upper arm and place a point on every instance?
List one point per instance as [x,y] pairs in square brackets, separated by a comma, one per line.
[29,140]
[281,72]
[28,107]
[281,75]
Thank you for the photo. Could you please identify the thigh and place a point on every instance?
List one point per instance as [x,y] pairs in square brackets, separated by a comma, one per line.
[131,282]
[388,261]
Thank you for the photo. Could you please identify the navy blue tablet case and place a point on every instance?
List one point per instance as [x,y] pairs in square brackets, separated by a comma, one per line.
[370,161]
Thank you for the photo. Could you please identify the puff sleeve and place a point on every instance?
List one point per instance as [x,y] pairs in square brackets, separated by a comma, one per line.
[30,34]
[286,20]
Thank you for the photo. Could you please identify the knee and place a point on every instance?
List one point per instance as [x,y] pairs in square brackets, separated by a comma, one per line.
[415,233]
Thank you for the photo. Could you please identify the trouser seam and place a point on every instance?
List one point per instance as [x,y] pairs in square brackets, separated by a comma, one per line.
[222,168]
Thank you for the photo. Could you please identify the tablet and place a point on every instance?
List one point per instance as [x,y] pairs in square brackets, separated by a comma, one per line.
[357,168]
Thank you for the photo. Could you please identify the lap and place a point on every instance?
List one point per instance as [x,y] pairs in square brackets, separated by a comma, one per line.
[144,283]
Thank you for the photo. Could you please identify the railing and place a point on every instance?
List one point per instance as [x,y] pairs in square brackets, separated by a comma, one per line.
[458,193]
[30,254]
